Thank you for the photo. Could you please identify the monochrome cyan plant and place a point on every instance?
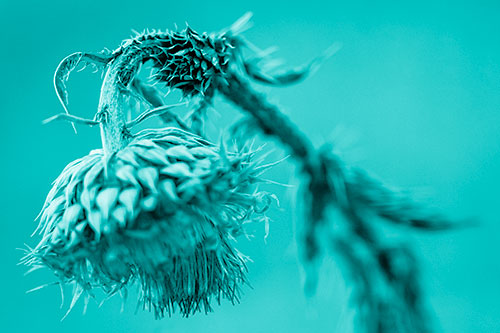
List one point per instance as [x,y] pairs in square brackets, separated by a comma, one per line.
[160,208]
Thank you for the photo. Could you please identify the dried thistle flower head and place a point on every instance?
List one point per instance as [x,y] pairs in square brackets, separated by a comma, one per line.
[162,211]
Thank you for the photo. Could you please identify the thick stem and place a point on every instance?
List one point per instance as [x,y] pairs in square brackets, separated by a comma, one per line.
[111,115]
[273,123]
[390,295]
[270,120]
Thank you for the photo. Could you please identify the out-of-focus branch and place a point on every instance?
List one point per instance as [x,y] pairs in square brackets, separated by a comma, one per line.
[389,295]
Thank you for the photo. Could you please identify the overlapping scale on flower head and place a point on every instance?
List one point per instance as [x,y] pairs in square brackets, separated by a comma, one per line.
[162,211]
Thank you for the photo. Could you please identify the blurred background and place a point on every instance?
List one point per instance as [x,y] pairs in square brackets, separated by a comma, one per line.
[413,96]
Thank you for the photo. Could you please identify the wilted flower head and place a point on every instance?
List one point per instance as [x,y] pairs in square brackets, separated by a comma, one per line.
[161,212]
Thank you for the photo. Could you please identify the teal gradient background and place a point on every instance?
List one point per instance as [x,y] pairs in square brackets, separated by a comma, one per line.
[413,96]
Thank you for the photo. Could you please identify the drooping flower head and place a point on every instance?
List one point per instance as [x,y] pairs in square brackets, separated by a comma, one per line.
[161,212]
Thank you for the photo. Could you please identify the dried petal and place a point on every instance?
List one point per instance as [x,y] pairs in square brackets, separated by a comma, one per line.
[106,200]
[87,197]
[168,188]
[202,152]
[175,140]
[190,188]
[181,153]
[120,215]
[156,156]
[148,177]
[128,198]
[201,172]
[146,143]
[177,170]
[203,164]
[81,226]
[149,203]
[93,173]
[55,206]
[70,217]
[78,176]
[128,156]
[126,173]
[95,221]
[55,236]
[73,240]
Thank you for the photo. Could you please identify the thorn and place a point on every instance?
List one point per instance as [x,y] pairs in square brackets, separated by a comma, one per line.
[41,287]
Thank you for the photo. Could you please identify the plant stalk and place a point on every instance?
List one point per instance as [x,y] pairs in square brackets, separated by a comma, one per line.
[110,114]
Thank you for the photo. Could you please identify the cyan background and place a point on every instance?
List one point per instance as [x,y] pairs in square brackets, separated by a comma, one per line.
[417,84]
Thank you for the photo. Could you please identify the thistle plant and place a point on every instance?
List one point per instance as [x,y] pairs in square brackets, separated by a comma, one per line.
[161,207]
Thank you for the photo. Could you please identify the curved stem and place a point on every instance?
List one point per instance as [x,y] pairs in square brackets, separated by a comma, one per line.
[270,119]
[389,295]
[110,114]
[274,123]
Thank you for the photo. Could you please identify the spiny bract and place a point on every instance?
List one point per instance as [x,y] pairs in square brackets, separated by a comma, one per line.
[162,212]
